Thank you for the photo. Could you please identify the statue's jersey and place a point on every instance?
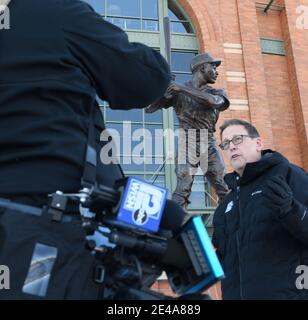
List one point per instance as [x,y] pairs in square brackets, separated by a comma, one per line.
[195,115]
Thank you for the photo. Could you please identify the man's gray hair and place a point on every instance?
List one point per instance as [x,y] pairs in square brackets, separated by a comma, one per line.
[251,130]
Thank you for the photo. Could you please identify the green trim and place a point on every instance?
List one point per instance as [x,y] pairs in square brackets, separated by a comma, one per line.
[272,46]
[184,41]
[150,38]
[169,168]
[135,122]
[172,4]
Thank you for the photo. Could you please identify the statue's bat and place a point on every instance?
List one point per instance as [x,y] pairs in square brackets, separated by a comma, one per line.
[167,33]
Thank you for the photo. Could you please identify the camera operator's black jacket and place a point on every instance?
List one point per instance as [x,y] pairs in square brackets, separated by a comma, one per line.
[260,252]
[55,58]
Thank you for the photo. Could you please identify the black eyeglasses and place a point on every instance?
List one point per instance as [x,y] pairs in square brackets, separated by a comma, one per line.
[225,145]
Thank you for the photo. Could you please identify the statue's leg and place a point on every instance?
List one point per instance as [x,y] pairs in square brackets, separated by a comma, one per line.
[185,178]
[216,170]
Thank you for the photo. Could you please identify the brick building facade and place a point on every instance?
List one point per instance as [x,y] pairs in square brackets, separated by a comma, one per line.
[269,90]
[267,87]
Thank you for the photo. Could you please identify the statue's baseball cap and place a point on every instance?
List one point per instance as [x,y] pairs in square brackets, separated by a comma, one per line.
[201,59]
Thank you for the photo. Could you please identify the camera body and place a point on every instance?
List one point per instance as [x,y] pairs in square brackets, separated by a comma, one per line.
[126,231]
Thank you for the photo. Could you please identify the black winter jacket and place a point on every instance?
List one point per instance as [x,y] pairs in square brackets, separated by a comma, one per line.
[55,58]
[259,251]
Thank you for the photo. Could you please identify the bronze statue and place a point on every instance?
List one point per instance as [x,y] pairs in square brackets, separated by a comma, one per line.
[197,106]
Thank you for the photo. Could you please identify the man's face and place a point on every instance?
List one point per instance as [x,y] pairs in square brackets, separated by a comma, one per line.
[249,150]
[210,73]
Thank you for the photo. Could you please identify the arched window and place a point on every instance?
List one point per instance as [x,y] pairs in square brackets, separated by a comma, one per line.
[143,22]
[141,14]
[179,21]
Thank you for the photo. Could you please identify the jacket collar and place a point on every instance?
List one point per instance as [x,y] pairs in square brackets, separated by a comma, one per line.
[255,169]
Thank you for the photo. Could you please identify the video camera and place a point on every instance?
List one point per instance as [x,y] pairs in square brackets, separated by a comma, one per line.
[138,234]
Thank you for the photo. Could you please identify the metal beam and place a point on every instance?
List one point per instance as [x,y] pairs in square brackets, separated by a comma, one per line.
[268,6]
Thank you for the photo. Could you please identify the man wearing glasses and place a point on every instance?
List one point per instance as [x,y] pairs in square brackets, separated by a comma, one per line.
[261,228]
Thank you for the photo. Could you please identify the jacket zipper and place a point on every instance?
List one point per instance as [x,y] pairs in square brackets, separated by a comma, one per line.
[237,240]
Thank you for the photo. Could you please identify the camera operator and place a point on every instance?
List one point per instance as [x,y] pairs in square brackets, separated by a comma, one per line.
[57,56]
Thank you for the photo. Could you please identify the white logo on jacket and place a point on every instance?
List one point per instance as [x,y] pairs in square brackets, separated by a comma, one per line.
[256,192]
[229,206]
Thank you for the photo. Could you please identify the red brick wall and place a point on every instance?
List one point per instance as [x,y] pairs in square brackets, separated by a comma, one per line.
[297,47]
[278,83]
[282,111]
[162,286]
[271,81]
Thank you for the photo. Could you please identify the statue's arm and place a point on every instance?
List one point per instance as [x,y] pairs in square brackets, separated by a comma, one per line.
[167,101]
[218,100]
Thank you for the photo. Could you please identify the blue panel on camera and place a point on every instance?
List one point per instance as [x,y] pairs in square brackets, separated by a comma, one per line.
[142,205]
[204,269]
[205,247]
